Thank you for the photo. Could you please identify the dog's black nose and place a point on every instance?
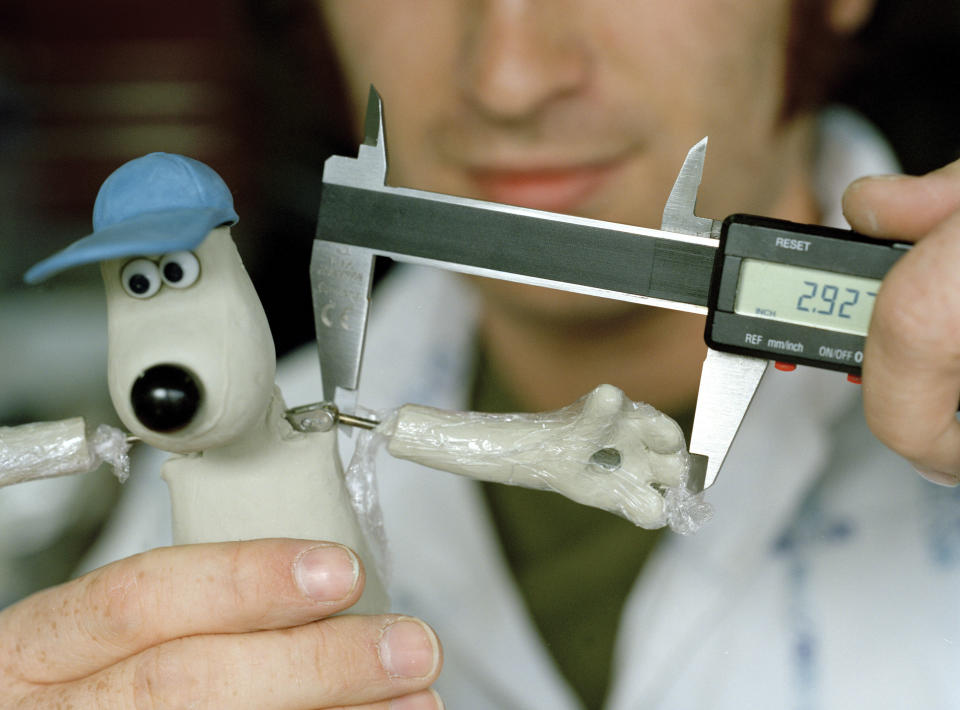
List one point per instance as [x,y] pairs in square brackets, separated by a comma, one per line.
[165,398]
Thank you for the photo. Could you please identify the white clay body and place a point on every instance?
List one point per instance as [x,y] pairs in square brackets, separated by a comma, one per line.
[242,471]
[642,450]
[276,482]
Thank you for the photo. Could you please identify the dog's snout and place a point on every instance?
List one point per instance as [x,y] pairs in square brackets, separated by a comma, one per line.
[165,398]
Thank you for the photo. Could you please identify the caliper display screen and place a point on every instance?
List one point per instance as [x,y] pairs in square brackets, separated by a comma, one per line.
[805,296]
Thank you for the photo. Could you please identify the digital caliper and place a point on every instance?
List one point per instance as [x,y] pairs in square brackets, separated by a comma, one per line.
[771,290]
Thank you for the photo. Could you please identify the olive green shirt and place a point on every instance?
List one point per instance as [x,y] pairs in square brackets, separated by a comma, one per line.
[574,565]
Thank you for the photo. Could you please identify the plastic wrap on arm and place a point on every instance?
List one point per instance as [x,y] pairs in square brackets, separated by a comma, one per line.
[61,448]
[361,481]
[603,450]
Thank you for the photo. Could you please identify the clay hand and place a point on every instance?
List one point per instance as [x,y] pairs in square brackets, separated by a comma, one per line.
[613,454]
[911,373]
[235,625]
[604,450]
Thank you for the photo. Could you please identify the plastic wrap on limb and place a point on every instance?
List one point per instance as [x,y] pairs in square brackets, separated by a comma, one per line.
[48,449]
[604,450]
[361,482]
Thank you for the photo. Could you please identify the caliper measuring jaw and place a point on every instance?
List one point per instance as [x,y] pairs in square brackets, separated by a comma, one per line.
[341,275]
[361,217]
[728,382]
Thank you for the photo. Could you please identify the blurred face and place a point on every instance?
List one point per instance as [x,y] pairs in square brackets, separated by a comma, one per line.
[579,106]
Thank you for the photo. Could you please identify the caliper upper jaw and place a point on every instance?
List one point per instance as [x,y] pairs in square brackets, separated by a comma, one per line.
[341,276]
[679,213]
[369,168]
[727,385]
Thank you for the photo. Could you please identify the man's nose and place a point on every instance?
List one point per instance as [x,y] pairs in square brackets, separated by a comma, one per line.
[520,55]
[165,398]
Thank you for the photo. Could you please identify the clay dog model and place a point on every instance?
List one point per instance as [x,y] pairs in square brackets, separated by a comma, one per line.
[191,369]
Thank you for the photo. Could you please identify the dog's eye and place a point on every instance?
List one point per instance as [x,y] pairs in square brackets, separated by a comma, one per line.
[180,269]
[140,278]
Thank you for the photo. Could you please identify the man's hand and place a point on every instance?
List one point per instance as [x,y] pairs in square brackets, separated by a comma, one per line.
[234,625]
[911,373]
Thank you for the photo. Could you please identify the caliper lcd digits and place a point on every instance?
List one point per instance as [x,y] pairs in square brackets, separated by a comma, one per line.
[771,289]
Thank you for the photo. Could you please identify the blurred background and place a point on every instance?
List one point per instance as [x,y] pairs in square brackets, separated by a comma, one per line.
[248,87]
[85,88]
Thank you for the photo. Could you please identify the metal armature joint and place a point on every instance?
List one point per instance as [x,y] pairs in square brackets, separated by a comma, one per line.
[324,416]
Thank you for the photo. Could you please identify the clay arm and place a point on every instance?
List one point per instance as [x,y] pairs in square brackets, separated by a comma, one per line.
[61,448]
[604,450]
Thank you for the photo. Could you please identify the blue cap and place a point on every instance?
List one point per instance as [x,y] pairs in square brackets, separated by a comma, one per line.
[151,205]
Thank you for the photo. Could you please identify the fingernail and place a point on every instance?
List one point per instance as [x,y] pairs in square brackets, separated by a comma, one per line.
[326,573]
[408,649]
[426,700]
[938,477]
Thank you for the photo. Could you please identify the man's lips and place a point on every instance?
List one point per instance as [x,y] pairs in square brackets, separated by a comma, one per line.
[551,189]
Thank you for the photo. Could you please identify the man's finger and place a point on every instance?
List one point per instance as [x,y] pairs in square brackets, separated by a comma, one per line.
[73,630]
[911,373]
[901,206]
[341,661]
